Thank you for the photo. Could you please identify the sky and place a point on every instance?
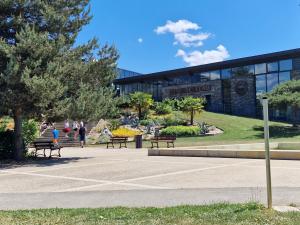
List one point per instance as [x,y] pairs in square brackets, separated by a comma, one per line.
[159,35]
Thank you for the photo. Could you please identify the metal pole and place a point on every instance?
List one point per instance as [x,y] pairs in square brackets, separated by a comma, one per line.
[267,150]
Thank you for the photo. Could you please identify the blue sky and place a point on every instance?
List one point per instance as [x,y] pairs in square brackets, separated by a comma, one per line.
[198,31]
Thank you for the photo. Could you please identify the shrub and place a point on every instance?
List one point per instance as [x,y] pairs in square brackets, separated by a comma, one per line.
[6,123]
[114,124]
[175,119]
[30,131]
[125,132]
[162,108]
[181,131]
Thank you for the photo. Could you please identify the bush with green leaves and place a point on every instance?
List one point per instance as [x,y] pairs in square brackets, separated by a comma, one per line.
[114,124]
[176,118]
[30,131]
[162,108]
[181,131]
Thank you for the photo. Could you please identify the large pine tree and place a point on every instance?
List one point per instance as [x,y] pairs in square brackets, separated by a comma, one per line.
[43,73]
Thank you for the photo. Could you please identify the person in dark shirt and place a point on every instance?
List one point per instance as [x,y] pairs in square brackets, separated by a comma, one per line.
[82,131]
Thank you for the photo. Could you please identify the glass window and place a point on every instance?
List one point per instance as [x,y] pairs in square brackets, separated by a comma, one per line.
[286,65]
[250,69]
[260,84]
[215,75]
[272,67]
[272,81]
[284,76]
[196,78]
[226,74]
[260,68]
[205,76]
[296,64]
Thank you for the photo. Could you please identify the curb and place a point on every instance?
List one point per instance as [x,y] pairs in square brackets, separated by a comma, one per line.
[228,153]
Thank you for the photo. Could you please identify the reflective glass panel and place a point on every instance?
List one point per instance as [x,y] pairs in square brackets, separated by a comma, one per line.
[272,81]
[205,76]
[286,65]
[284,76]
[226,74]
[196,78]
[260,84]
[249,69]
[215,75]
[272,67]
[260,68]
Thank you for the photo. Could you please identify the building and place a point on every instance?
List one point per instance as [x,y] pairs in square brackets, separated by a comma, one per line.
[230,87]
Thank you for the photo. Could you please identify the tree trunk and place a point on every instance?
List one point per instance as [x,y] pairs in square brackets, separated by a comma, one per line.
[140,113]
[18,140]
[192,117]
[295,117]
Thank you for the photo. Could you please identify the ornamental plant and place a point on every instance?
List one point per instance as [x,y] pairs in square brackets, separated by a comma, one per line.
[125,132]
[181,131]
[141,102]
[192,105]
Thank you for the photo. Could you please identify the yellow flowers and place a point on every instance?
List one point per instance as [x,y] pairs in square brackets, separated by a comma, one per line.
[125,132]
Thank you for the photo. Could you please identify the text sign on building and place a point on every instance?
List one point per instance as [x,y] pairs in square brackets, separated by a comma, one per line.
[178,91]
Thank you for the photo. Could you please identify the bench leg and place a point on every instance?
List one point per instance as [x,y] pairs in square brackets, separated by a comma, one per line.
[168,146]
[44,152]
[50,156]
[59,153]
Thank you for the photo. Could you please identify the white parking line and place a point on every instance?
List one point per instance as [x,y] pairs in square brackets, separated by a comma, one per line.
[159,175]
[106,182]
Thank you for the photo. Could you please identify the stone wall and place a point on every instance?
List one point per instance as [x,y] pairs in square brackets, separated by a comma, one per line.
[243,92]
[212,90]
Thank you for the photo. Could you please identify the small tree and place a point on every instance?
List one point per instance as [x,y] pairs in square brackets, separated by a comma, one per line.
[141,102]
[192,105]
[286,94]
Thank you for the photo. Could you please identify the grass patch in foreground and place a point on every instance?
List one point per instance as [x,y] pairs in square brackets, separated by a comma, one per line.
[228,214]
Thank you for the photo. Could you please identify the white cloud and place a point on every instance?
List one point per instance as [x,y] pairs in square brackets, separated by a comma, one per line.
[140,40]
[209,56]
[182,36]
[177,27]
[191,40]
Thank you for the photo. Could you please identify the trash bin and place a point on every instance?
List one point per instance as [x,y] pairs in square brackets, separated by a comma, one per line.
[138,141]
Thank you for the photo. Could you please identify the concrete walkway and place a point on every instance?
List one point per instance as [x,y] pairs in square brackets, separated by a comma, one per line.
[94,177]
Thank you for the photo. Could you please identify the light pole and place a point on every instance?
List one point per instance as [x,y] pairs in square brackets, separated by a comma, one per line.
[264,101]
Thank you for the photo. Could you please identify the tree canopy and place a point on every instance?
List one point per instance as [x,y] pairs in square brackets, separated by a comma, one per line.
[192,105]
[285,94]
[141,102]
[43,73]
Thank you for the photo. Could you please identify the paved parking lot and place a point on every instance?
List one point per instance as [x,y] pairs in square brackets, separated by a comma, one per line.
[94,177]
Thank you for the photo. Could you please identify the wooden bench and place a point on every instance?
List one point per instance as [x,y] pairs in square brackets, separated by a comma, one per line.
[168,139]
[117,140]
[43,145]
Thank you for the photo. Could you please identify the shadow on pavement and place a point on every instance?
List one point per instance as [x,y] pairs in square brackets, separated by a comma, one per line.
[39,162]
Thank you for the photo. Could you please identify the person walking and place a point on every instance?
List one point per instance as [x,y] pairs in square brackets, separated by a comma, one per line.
[82,132]
[75,126]
[67,128]
[55,134]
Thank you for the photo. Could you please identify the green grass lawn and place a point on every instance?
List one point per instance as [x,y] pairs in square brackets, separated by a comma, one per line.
[183,215]
[236,130]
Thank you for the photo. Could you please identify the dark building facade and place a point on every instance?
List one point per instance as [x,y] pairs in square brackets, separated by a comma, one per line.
[230,87]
